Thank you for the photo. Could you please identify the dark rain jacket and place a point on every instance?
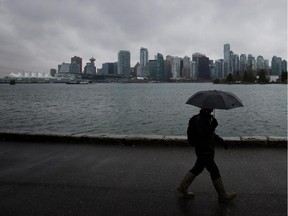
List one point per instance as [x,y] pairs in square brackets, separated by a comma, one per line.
[201,134]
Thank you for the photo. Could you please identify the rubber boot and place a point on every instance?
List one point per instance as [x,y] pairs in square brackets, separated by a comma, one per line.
[222,194]
[185,183]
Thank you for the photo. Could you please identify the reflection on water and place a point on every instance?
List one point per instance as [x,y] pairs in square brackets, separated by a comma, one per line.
[137,108]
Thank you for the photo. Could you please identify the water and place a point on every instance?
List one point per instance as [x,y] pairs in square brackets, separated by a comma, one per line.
[158,109]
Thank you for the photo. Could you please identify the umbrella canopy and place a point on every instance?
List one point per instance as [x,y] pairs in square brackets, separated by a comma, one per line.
[213,99]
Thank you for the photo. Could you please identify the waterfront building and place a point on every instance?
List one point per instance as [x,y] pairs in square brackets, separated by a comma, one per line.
[53,72]
[175,67]
[219,68]
[143,69]
[227,54]
[243,63]
[202,70]
[64,68]
[266,66]
[234,64]
[186,70]
[124,63]
[168,67]
[152,64]
[160,67]
[78,61]
[193,70]
[251,63]
[109,68]
[90,68]
[74,68]
[284,66]
[260,63]
[276,65]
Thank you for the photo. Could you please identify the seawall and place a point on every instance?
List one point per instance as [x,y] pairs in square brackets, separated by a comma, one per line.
[135,140]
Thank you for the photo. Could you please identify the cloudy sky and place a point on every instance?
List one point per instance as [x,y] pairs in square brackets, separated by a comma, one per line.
[36,35]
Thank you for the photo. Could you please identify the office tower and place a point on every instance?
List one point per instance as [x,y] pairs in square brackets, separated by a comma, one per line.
[284,66]
[219,69]
[90,68]
[144,56]
[196,58]
[251,63]
[109,68]
[160,67]
[152,69]
[186,70]
[260,63]
[227,59]
[124,63]
[276,65]
[144,59]
[243,63]
[168,67]
[74,68]
[203,68]
[64,68]
[78,61]
[266,66]
[175,67]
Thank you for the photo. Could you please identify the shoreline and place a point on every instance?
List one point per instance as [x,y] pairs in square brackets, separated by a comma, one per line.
[139,140]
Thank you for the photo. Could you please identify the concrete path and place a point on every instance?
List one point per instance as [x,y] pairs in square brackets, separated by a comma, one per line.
[79,179]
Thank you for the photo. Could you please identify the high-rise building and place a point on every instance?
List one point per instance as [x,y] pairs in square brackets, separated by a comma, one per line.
[219,69]
[78,61]
[160,67]
[203,68]
[260,63]
[227,58]
[124,63]
[144,59]
[243,63]
[175,67]
[90,68]
[64,68]
[144,56]
[276,65]
[168,67]
[152,69]
[109,68]
[186,70]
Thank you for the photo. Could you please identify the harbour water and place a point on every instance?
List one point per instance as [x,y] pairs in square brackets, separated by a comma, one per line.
[151,109]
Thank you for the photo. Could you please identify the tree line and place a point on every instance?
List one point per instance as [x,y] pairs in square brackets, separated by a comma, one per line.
[250,77]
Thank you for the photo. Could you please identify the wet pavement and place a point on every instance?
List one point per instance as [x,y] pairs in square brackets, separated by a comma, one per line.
[81,179]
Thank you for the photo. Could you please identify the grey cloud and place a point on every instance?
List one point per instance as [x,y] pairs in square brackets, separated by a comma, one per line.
[41,34]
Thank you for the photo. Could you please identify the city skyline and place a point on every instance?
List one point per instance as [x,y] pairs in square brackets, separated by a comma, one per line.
[35,36]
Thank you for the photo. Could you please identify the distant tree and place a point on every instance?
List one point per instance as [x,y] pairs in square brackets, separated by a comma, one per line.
[230,78]
[216,81]
[284,77]
[262,77]
[249,77]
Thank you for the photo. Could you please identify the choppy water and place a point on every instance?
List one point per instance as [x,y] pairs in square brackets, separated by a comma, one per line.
[137,108]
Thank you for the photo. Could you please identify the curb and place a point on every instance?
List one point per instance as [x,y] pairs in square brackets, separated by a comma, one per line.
[139,140]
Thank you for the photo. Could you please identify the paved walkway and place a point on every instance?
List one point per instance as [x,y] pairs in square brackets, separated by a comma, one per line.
[64,179]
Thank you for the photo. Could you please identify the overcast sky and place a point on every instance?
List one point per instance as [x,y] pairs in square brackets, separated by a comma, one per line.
[36,35]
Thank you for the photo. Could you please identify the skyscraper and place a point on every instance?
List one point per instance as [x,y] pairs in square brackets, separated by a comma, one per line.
[144,56]
[78,61]
[226,59]
[144,59]
[124,63]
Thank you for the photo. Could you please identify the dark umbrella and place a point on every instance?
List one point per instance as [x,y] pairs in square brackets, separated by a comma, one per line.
[213,99]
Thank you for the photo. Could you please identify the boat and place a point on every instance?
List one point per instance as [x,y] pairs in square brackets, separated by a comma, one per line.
[77,82]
